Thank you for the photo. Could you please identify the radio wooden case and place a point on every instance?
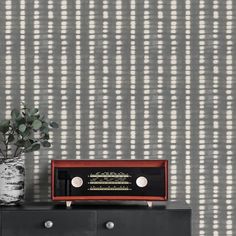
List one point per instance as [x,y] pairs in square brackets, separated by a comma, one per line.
[145,180]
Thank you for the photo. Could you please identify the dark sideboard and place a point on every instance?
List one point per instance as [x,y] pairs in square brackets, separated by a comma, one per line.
[172,219]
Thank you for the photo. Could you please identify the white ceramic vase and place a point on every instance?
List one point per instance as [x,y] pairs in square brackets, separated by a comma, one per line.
[12,176]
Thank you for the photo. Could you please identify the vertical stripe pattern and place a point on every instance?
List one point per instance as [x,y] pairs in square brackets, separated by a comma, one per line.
[138,79]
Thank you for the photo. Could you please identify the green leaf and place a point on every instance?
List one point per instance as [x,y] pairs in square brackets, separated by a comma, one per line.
[19,120]
[54,125]
[22,128]
[42,117]
[4,126]
[15,113]
[30,119]
[10,138]
[26,133]
[35,147]
[36,116]
[44,129]
[45,143]
[45,136]
[33,111]
[37,124]
[20,143]
[27,144]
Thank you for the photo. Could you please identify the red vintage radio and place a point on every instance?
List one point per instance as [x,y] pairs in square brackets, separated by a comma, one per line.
[145,180]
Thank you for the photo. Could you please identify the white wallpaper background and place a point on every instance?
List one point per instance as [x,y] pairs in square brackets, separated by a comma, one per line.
[137,79]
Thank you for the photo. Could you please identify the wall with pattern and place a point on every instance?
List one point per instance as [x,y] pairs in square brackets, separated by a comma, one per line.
[137,79]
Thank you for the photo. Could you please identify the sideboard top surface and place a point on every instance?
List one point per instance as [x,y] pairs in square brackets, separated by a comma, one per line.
[105,205]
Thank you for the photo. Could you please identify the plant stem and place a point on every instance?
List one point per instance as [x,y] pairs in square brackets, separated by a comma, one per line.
[16,152]
[17,155]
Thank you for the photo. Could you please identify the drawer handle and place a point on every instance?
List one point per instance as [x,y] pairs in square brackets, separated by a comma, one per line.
[48,224]
[110,225]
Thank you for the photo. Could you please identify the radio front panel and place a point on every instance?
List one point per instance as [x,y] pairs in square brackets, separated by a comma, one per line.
[120,180]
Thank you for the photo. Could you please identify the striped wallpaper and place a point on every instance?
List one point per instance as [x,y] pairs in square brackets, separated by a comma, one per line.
[137,79]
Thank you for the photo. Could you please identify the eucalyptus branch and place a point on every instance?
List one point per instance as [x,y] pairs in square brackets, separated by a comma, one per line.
[16,151]
[18,154]
[19,129]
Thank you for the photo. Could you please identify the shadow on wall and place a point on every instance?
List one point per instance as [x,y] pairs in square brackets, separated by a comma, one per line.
[37,178]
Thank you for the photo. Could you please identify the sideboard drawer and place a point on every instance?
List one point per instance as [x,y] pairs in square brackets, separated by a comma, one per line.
[49,223]
[136,222]
[144,223]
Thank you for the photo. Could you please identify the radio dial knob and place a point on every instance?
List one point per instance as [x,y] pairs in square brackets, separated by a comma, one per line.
[77,182]
[110,225]
[48,224]
[141,181]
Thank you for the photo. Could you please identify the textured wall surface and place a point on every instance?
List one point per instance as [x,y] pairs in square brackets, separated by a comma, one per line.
[137,79]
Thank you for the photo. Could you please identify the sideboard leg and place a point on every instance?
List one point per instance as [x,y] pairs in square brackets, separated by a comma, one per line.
[68,203]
